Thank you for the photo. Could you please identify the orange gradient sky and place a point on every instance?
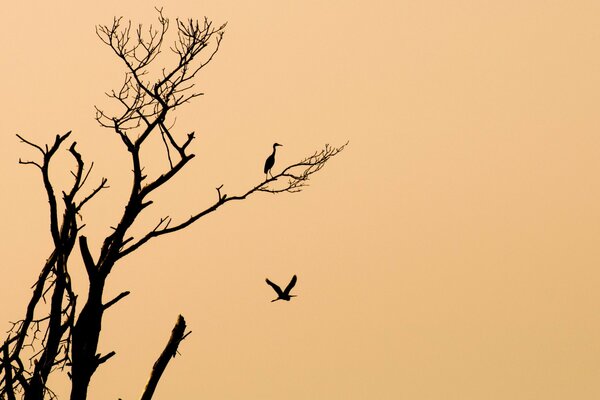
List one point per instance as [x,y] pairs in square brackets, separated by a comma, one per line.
[450,252]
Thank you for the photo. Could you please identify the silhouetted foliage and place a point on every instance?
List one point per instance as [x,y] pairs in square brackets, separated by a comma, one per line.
[64,336]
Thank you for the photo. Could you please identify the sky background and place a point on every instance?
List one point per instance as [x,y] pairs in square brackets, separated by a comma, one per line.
[450,252]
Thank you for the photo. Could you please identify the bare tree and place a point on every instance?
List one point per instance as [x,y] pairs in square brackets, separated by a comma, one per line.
[63,335]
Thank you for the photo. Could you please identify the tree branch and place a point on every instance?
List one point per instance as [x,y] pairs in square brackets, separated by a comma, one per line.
[170,350]
[119,297]
[48,153]
[8,377]
[104,358]
[296,182]
[88,261]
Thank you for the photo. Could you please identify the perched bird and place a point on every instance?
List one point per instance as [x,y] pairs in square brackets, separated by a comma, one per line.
[283,295]
[270,161]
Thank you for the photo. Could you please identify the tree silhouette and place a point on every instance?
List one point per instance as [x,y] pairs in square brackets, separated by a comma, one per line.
[63,335]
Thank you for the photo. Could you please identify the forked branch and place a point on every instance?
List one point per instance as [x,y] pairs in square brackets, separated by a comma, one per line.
[297,176]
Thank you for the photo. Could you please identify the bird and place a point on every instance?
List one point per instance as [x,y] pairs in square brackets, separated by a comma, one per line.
[283,295]
[270,161]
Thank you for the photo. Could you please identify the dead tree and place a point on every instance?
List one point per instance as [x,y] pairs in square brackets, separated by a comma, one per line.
[57,333]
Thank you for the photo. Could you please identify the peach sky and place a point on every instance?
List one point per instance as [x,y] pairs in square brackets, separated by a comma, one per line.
[450,252]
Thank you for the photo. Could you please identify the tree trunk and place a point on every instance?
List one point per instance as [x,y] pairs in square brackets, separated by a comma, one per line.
[86,334]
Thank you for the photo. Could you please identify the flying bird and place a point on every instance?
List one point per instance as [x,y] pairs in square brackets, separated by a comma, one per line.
[283,295]
[270,161]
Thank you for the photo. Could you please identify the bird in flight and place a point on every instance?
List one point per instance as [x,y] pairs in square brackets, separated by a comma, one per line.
[285,294]
[270,161]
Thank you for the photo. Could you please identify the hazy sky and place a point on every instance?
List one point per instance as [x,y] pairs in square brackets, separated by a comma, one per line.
[451,252]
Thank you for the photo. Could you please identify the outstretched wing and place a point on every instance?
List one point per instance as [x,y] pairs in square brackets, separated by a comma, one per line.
[275,287]
[291,285]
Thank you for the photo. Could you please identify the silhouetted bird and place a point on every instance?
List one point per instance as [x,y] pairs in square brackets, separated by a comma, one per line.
[283,295]
[270,161]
